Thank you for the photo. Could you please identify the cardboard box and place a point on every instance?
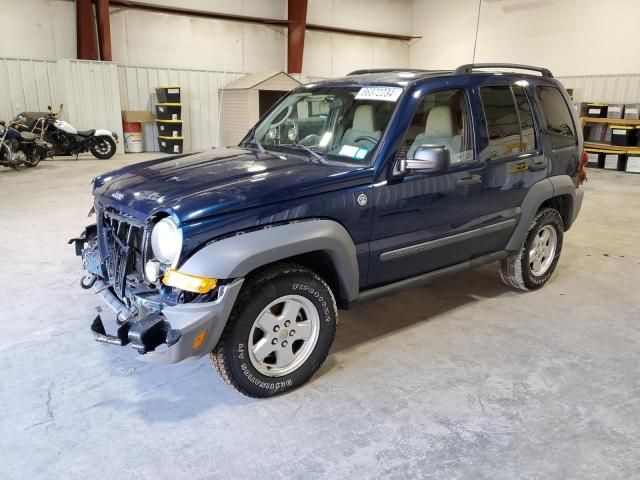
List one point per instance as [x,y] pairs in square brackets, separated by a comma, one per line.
[137,116]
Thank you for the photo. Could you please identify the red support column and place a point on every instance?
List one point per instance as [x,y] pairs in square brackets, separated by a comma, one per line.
[104,29]
[86,31]
[297,14]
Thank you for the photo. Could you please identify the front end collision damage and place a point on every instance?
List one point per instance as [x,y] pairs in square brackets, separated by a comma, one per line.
[166,331]
[150,320]
[169,335]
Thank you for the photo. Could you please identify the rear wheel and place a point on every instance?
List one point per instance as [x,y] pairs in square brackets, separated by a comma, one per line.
[535,262]
[279,332]
[104,148]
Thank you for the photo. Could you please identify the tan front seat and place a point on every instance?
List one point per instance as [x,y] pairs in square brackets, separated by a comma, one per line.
[362,127]
[438,131]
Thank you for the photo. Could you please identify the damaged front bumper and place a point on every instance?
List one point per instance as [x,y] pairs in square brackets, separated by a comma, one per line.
[161,329]
[173,334]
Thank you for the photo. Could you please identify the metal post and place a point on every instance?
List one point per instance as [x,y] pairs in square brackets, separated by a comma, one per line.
[86,31]
[297,15]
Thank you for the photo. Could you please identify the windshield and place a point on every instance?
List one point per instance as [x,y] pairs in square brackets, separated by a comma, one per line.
[343,124]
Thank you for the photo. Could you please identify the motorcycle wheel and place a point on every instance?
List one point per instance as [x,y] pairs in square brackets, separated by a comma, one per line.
[104,148]
[33,161]
[17,166]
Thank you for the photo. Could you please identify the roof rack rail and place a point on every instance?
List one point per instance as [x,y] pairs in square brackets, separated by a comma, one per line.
[385,70]
[470,67]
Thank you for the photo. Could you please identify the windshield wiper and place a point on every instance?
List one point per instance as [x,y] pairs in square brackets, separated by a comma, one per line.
[315,154]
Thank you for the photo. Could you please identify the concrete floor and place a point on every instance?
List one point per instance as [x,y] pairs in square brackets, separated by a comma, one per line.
[462,379]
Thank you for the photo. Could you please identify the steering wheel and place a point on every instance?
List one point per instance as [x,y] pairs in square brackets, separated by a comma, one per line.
[366,138]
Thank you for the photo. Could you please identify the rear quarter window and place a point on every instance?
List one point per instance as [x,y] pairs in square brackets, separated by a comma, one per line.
[562,130]
[510,126]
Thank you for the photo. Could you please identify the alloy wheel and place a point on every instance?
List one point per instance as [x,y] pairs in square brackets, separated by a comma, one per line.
[543,250]
[284,335]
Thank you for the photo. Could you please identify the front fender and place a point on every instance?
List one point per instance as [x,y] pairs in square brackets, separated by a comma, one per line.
[237,256]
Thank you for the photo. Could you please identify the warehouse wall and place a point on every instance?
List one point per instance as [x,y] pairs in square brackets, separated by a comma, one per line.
[32,85]
[177,41]
[200,111]
[44,29]
[571,37]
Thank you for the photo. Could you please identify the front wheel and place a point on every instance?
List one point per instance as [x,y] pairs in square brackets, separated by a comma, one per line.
[105,148]
[279,332]
[535,262]
[33,161]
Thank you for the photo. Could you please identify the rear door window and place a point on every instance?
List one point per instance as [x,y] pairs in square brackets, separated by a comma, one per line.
[527,128]
[510,124]
[562,130]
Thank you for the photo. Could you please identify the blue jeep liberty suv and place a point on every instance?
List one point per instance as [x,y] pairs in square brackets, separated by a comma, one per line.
[345,190]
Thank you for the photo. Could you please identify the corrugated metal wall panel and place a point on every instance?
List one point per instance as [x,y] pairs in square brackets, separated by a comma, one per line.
[200,108]
[27,85]
[91,95]
[624,88]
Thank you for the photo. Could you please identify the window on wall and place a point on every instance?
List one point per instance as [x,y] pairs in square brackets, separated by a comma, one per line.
[442,118]
[562,130]
[509,120]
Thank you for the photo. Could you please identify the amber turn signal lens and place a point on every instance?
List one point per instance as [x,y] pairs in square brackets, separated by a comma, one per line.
[199,340]
[190,283]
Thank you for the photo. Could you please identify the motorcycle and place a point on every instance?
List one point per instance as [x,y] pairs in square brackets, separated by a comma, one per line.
[67,140]
[19,148]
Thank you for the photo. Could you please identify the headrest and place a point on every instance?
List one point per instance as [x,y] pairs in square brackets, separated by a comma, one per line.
[439,122]
[363,119]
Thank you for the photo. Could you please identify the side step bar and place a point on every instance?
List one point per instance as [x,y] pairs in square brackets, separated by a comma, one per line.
[425,278]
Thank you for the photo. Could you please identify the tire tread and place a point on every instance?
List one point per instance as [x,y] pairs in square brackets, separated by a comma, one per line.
[219,357]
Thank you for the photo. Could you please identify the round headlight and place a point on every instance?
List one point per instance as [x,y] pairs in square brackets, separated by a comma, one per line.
[166,241]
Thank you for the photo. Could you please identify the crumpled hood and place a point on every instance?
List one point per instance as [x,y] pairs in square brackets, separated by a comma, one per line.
[219,181]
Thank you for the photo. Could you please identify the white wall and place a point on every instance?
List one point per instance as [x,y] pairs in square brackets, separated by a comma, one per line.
[571,37]
[43,29]
[388,16]
[329,55]
[175,41]
[180,41]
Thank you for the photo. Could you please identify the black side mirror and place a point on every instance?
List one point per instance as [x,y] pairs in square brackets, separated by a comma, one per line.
[427,159]
[49,107]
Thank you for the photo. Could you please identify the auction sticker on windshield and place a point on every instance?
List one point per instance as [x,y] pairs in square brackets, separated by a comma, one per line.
[387,94]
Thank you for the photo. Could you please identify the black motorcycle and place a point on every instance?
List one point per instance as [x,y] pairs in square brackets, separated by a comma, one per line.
[67,140]
[19,148]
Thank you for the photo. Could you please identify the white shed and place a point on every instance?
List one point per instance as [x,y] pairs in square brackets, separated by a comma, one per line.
[245,100]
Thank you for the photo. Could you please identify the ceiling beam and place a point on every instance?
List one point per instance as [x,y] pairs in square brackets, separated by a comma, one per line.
[249,19]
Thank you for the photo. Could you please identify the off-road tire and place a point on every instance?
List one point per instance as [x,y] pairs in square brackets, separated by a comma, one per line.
[230,358]
[104,156]
[515,270]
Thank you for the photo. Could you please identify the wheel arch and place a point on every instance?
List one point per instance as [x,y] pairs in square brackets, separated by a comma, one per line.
[321,245]
[557,192]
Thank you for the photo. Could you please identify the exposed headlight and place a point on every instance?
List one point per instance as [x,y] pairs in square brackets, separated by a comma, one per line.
[166,241]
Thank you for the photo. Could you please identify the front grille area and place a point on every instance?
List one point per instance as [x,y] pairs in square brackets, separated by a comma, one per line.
[123,248]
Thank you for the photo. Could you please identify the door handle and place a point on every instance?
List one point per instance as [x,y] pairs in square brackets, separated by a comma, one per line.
[469,180]
[537,166]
